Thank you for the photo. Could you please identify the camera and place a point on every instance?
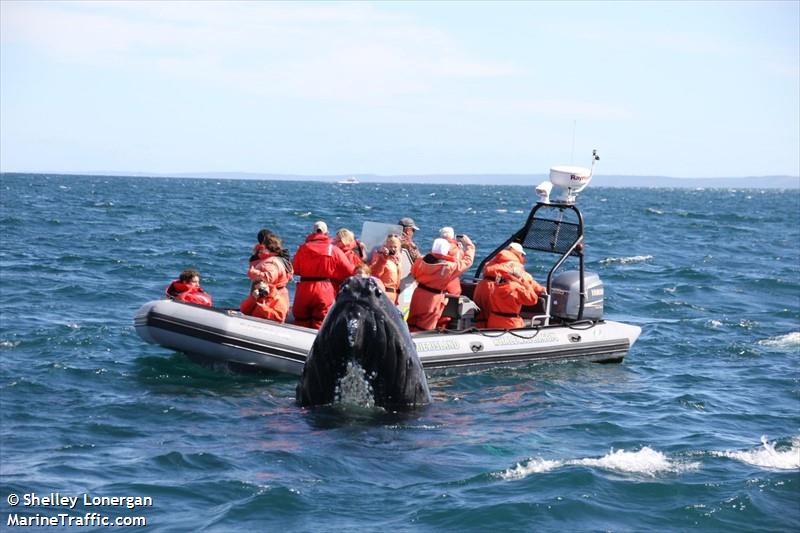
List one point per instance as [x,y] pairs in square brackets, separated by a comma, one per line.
[261,291]
[390,252]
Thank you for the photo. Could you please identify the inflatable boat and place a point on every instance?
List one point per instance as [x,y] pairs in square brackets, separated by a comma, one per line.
[567,324]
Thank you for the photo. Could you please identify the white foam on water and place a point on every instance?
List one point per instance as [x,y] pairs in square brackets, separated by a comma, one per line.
[9,344]
[353,388]
[532,466]
[501,210]
[767,456]
[654,211]
[626,260]
[645,461]
[790,340]
[714,324]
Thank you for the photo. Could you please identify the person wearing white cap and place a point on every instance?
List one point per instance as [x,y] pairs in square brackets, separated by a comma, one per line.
[433,273]
[510,289]
[407,237]
[320,265]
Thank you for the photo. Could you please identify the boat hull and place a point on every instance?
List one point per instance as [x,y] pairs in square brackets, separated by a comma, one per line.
[216,335]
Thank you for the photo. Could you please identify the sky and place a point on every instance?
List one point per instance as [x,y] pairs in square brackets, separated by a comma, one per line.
[681,89]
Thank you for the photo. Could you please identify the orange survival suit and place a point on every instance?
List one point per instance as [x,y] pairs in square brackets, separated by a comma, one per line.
[504,261]
[513,288]
[188,292]
[386,268]
[272,306]
[276,271]
[320,264]
[433,274]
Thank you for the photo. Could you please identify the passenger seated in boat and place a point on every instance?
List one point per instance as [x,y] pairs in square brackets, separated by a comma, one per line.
[504,261]
[187,289]
[272,266]
[319,264]
[433,273]
[512,289]
[386,267]
[407,237]
[263,302]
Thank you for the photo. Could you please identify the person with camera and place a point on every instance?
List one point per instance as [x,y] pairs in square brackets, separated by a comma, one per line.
[271,264]
[187,289]
[263,302]
[386,267]
[407,238]
[433,273]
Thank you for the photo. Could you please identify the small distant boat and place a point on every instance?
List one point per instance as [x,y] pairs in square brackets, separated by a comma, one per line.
[352,180]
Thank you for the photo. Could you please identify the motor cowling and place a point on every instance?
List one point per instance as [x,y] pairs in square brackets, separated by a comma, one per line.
[566,296]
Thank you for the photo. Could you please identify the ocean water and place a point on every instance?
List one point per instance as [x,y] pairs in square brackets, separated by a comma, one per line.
[698,429]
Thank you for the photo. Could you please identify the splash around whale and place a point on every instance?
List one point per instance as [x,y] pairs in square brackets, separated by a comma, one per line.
[363,354]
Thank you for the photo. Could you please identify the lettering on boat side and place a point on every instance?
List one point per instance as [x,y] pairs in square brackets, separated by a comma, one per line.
[435,346]
[541,338]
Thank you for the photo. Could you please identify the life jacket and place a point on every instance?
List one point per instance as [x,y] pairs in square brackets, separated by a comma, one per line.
[186,292]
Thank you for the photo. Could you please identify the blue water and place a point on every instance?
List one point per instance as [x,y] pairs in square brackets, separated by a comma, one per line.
[699,428]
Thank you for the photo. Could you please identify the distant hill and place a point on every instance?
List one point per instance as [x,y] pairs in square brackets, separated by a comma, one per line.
[753,182]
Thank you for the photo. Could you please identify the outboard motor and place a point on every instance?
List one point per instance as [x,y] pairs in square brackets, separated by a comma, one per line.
[566,296]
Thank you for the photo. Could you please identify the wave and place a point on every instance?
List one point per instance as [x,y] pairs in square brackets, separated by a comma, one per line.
[645,461]
[654,211]
[626,260]
[767,456]
[790,340]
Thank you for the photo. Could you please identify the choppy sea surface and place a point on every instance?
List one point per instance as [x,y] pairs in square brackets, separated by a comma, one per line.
[698,429]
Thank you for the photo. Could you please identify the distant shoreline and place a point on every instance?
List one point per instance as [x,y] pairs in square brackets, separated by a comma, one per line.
[751,182]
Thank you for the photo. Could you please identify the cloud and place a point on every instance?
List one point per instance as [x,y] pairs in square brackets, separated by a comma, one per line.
[320,51]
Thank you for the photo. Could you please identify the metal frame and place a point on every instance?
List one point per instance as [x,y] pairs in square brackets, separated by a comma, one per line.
[519,237]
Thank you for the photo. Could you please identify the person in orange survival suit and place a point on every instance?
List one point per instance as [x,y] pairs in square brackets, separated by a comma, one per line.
[264,302]
[320,264]
[433,273]
[513,288]
[505,260]
[187,289]
[386,267]
[353,249]
[455,253]
[271,265]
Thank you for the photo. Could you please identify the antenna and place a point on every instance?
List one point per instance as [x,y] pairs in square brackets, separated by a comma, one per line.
[572,155]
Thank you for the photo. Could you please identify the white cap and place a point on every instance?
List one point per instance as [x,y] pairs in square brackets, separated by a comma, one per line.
[440,246]
[447,233]
[320,227]
[517,248]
